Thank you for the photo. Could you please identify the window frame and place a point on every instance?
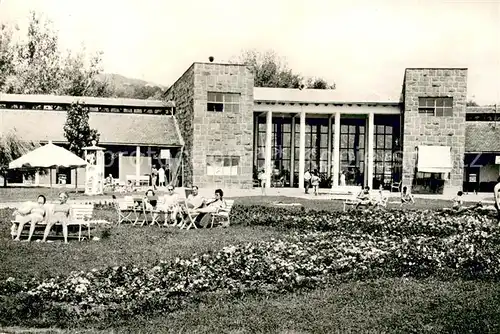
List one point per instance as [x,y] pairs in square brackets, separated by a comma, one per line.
[221,169]
[213,103]
[441,106]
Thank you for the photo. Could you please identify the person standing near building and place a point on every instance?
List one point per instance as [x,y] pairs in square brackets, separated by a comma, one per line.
[262,180]
[161,177]
[154,176]
[315,180]
[168,174]
[307,181]
[496,193]
[342,179]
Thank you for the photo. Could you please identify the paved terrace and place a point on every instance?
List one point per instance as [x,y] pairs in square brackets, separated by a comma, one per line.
[324,194]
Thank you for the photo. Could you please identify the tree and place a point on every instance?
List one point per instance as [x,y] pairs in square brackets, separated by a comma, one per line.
[11,148]
[37,65]
[472,103]
[318,83]
[271,71]
[77,129]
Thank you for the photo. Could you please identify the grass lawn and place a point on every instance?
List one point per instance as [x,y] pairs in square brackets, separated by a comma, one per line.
[381,306]
[384,305]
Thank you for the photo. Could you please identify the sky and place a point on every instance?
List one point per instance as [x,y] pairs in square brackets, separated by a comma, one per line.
[359,45]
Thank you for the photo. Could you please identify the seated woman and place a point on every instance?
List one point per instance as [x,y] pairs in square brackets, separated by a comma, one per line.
[205,213]
[60,214]
[32,213]
[458,204]
[364,197]
[406,197]
[170,204]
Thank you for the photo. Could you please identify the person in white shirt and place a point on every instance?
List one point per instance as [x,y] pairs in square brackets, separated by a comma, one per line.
[307,181]
[342,179]
[161,177]
[195,200]
[170,204]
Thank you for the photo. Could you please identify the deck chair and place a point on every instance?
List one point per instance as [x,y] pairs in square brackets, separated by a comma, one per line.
[381,202]
[124,210]
[351,202]
[188,216]
[222,214]
[396,186]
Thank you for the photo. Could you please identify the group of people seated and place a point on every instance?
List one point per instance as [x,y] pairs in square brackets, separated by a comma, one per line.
[35,213]
[170,203]
[366,199]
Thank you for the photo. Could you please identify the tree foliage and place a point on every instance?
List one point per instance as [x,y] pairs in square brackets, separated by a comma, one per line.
[11,148]
[35,64]
[77,129]
[272,71]
[472,103]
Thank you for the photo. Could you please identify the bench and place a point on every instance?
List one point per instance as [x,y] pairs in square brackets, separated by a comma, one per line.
[143,179]
[81,215]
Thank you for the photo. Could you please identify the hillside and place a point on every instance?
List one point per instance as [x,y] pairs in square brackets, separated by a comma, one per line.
[122,86]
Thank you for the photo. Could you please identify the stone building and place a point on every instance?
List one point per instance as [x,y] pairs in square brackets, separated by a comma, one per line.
[216,129]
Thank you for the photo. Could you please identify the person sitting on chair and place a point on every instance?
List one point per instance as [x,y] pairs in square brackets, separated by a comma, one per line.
[32,213]
[406,197]
[364,197]
[195,200]
[458,202]
[205,213]
[171,204]
[60,214]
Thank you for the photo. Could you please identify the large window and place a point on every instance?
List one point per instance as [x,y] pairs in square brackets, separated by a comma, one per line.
[386,155]
[316,145]
[222,165]
[435,106]
[352,150]
[223,102]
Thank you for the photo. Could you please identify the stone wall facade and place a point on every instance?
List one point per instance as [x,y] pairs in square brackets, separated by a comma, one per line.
[226,133]
[182,93]
[422,129]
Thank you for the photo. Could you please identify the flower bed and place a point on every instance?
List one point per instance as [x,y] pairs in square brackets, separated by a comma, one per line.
[326,247]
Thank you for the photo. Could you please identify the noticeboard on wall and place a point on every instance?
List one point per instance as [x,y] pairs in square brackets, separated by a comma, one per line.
[497,160]
[472,178]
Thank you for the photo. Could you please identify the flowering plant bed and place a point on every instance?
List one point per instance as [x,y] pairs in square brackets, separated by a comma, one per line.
[324,247]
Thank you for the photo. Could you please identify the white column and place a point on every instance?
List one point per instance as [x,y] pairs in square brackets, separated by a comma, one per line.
[371,124]
[292,153]
[137,164]
[269,134]
[329,153]
[336,150]
[302,148]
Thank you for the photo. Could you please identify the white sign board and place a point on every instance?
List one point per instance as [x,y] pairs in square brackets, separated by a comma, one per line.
[497,160]
[165,154]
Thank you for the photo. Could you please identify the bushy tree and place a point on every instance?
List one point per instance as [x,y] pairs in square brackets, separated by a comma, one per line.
[36,65]
[318,83]
[472,103]
[77,129]
[11,148]
[272,71]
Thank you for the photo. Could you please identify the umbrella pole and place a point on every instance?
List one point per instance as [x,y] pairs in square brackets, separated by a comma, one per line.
[76,179]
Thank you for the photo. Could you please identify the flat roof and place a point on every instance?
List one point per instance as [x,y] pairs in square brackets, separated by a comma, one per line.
[94,101]
[482,110]
[262,94]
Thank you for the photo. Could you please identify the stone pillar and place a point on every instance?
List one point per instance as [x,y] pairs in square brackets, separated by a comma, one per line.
[269,136]
[371,125]
[292,153]
[336,150]
[137,165]
[302,148]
